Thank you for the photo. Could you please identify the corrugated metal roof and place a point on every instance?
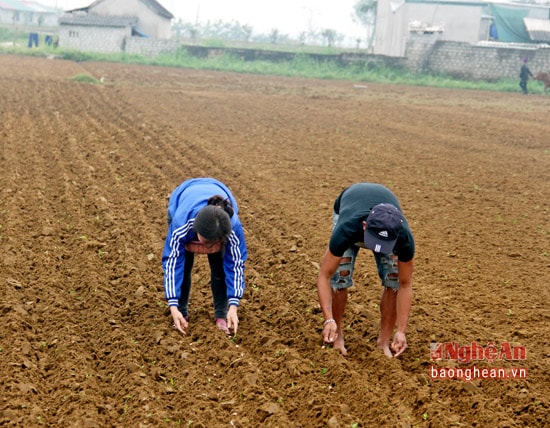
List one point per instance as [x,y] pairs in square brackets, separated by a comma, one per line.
[26,6]
[15,5]
[98,20]
[37,7]
[155,5]
[538,29]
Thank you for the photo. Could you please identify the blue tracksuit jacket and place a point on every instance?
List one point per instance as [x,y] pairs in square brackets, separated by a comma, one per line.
[185,202]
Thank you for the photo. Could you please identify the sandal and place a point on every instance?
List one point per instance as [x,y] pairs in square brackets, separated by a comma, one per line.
[222,325]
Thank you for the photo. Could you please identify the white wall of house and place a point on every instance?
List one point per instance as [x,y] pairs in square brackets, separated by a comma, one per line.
[150,22]
[459,23]
[94,39]
[391,32]
[9,16]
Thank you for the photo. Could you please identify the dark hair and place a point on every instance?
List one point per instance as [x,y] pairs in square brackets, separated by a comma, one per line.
[213,224]
[224,203]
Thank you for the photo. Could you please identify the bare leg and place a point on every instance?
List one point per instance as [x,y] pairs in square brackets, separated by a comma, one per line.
[339,302]
[388,316]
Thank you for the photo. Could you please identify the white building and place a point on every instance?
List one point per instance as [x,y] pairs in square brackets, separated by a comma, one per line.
[397,21]
[27,13]
[105,25]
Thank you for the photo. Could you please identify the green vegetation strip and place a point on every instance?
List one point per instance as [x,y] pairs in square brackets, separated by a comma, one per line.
[300,66]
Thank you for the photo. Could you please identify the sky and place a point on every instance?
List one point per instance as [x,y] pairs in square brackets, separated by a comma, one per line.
[290,17]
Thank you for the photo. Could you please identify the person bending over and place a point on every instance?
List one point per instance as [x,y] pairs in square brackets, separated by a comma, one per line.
[368,215]
[203,219]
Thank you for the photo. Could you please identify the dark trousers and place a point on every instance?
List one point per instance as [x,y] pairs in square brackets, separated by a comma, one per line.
[523,86]
[217,284]
[33,40]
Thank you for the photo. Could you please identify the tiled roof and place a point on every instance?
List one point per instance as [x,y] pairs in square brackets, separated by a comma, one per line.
[98,20]
[154,5]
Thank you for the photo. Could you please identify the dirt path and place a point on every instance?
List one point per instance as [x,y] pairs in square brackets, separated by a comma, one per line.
[85,174]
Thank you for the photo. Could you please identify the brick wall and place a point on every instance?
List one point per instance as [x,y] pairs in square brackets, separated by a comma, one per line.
[150,47]
[489,61]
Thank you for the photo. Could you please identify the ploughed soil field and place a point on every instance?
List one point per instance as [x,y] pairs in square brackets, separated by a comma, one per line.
[86,339]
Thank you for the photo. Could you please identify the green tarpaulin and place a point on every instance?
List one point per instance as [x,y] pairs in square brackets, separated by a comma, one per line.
[509,23]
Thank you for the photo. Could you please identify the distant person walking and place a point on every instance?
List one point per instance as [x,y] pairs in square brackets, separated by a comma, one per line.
[203,219]
[524,74]
[368,215]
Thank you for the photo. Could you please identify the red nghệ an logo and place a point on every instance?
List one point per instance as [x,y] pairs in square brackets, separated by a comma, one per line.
[476,352]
